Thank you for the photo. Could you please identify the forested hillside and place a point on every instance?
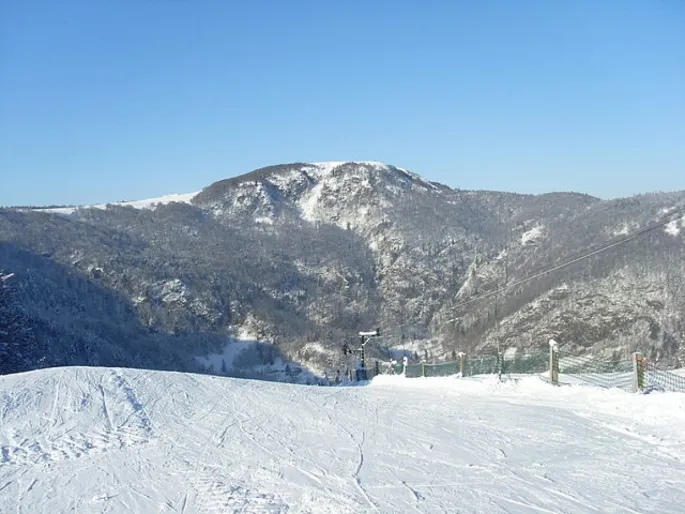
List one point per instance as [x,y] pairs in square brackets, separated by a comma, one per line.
[303,256]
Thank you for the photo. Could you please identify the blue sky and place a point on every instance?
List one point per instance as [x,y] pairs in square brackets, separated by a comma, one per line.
[124,99]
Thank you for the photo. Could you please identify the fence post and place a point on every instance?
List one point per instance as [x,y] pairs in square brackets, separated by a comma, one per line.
[423,368]
[462,367]
[553,362]
[638,372]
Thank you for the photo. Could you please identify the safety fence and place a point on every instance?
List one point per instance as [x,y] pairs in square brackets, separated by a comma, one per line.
[477,365]
[608,373]
[657,379]
[633,373]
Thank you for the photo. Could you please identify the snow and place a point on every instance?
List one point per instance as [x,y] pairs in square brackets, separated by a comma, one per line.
[510,353]
[309,204]
[531,235]
[121,441]
[623,231]
[169,291]
[375,164]
[418,178]
[247,344]
[672,228]
[214,361]
[323,169]
[315,353]
[283,180]
[148,203]
[59,210]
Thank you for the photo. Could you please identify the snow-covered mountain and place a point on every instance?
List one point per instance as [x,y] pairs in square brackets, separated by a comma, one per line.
[135,441]
[305,255]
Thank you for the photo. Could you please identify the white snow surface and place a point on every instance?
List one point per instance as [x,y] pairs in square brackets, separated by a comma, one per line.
[323,169]
[233,349]
[673,227]
[148,203]
[106,440]
[309,204]
[533,234]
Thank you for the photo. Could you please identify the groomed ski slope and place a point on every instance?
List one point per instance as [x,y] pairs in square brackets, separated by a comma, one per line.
[100,440]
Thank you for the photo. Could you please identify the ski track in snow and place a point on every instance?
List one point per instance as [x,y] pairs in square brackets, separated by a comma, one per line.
[101,440]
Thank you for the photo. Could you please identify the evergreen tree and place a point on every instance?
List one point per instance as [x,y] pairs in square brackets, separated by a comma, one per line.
[18,351]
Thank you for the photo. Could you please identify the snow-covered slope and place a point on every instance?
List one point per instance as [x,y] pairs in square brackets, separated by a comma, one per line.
[148,203]
[112,440]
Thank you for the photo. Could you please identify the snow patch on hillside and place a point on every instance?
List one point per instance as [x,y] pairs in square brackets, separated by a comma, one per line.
[673,228]
[324,169]
[315,353]
[148,203]
[359,179]
[247,356]
[152,202]
[623,231]
[216,362]
[169,291]
[283,180]
[532,235]
[309,203]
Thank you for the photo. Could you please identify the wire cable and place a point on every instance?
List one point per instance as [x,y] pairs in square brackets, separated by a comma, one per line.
[603,248]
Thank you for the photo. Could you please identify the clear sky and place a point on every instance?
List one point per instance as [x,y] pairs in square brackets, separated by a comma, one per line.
[125,99]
